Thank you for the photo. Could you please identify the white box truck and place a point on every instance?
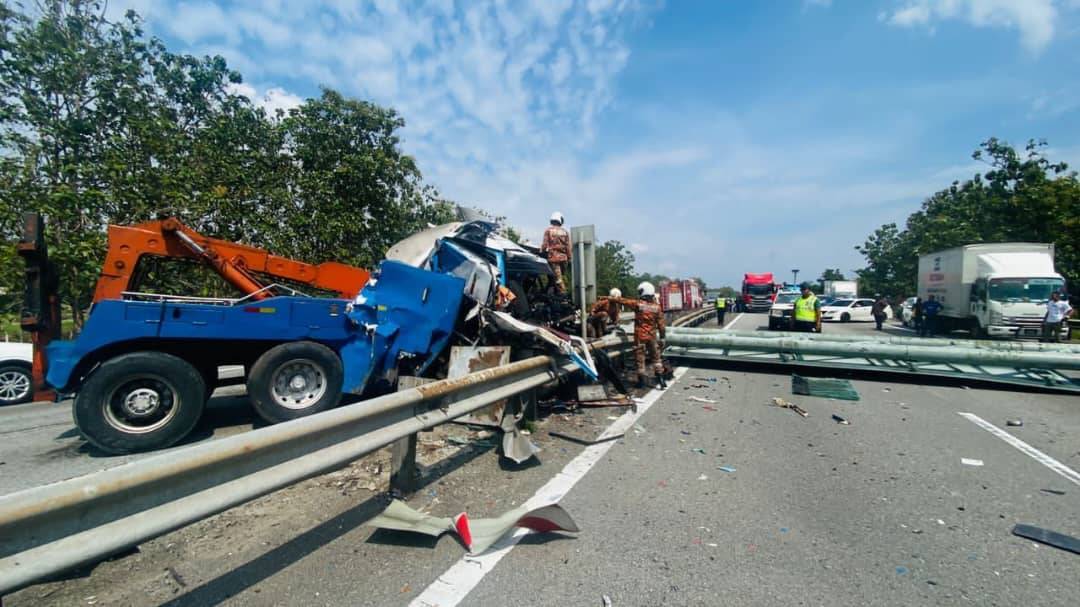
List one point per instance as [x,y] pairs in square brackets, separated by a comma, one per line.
[841,289]
[991,290]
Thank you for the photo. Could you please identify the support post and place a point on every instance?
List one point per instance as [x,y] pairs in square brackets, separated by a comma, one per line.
[403,471]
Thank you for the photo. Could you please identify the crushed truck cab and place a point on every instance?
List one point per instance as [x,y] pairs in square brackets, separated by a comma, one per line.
[142,369]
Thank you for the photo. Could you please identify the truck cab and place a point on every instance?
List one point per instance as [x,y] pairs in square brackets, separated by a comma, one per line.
[1012,306]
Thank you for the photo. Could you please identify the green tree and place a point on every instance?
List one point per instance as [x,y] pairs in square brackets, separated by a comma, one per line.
[1022,197]
[831,274]
[615,268]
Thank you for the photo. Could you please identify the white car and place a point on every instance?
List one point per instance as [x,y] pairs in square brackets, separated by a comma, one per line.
[15,379]
[852,310]
[781,310]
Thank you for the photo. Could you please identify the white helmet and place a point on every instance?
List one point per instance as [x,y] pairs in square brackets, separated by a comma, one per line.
[646,289]
[614,293]
[557,216]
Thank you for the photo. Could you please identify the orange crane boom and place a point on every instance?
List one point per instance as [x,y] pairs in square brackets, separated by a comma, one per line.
[238,264]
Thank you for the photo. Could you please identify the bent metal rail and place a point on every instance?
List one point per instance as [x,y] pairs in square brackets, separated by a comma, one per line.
[50,529]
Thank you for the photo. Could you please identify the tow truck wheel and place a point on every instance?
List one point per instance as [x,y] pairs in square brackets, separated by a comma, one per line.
[294,380]
[139,401]
[15,382]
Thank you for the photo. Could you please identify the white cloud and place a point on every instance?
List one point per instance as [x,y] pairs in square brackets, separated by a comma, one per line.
[1034,19]
[272,99]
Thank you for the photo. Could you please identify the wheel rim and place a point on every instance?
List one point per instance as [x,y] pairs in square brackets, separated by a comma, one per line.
[298,384]
[14,385]
[141,404]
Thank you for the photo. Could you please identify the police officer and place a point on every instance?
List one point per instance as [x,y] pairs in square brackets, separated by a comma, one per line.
[721,308]
[806,317]
[556,246]
[648,324]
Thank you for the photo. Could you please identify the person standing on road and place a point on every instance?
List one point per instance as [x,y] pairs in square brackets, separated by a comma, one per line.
[649,331]
[930,311]
[721,309]
[917,315]
[878,311]
[1058,312]
[806,317]
[556,247]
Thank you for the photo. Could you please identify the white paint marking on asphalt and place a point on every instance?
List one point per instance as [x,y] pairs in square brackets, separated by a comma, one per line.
[734,320]
[1037,455]
[458,581]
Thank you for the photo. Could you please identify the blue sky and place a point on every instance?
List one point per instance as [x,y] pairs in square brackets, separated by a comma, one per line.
[712,137]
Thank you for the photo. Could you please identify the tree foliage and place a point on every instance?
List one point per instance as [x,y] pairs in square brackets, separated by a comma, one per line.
[100,124]
[1023,197]
[831,274]
[615,268]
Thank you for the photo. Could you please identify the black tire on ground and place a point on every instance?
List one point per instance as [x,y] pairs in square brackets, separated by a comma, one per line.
[16,383]
[139,401]
[845,317]
[294,380]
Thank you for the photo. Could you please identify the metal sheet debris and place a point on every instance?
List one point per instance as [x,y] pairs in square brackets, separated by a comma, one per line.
[840,420]
[477,534]
[1050,538]
[971,462]
[465,360]
[824,387]
[698,399]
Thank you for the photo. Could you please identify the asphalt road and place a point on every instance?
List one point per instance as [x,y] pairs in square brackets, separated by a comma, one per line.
[878,512]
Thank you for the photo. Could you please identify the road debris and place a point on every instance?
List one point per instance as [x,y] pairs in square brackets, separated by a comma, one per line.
[708,408]
[1053,491]
[823,387]
[1016,423]
[726,469]
[698,399]
[585,441]
[703,477]
[698,450]
[783,404]
[1050,538]
[477,534]
[971,462]
[605,600]
[840,420]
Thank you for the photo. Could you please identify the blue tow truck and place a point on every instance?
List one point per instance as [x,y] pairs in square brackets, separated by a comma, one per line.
[143,369]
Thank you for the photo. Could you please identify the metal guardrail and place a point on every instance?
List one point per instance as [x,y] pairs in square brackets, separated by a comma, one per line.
[47,530]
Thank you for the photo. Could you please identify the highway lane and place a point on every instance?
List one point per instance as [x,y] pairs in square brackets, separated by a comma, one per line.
[880,512]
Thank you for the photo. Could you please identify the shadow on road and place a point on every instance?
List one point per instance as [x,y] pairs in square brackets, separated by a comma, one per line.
[266,565]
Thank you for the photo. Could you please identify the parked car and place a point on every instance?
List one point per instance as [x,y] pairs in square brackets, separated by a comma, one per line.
[851,310]
[15,379]
[781,310]
[907,312]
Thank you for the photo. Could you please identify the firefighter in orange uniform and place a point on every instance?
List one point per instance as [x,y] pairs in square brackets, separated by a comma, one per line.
[604,311]
[556,247]
[648,331]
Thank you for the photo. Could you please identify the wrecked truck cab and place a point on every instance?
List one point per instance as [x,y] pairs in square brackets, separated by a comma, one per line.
[476,253]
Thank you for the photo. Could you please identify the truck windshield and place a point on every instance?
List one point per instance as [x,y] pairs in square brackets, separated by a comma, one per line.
[1024,289]
[759,289]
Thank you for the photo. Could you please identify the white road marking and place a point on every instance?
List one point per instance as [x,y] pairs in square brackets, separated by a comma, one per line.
[734,320]
[458,581]
[1037,455]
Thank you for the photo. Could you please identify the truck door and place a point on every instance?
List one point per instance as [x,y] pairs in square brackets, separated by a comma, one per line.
[977,302]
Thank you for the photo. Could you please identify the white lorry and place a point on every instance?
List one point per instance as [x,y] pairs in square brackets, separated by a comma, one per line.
[841,289]
[991,290]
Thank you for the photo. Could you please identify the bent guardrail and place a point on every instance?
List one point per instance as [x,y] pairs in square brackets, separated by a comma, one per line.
[50,529]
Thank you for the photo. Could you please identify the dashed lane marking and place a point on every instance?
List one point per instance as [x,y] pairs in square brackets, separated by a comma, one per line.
[1034,453]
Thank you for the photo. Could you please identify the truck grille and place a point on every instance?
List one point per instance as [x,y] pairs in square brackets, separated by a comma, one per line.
[1026,321]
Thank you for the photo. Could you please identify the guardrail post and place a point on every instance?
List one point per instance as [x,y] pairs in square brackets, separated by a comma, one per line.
[403,471]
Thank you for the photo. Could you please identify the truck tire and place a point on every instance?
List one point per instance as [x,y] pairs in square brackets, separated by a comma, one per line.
[139,401]
[295,379]
[16,383]
[845,317]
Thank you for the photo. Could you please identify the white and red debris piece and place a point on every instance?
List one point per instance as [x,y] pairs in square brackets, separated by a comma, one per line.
[477,534]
